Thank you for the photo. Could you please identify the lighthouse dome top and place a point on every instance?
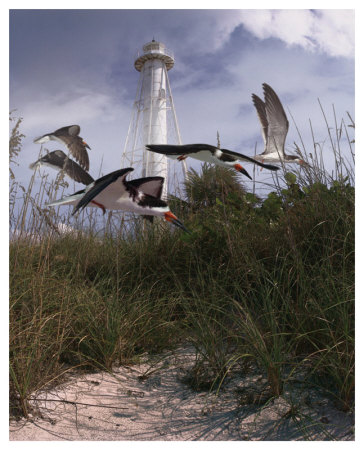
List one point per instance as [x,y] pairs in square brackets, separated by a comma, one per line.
[154,50]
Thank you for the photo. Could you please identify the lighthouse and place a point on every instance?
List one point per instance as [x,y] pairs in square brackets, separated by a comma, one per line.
[154,119]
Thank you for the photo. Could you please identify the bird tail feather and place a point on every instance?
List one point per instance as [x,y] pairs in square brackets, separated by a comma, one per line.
[70,200]
[41,139]
[34,165]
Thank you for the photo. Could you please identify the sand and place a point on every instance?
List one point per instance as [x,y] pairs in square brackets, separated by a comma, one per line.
[151,401]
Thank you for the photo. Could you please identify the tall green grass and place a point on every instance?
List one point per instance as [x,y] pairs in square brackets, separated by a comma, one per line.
[268,282]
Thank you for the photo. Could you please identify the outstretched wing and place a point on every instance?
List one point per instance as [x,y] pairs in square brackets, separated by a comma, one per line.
[75,144]
[70,137]
[102,183]
[177,150]
[75,171]
[260,107]
[247,158]
[152,186]
[58,160]
[277,121]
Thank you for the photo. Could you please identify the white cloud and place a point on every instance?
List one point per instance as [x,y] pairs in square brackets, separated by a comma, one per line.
[74,105]
[335,32]
[329,31]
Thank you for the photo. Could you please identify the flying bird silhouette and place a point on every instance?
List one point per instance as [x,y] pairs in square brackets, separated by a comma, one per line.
[69,136]
[275,126]
[59,160]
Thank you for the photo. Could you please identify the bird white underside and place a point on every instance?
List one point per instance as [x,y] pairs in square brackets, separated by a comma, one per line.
[207,156]
[54,138]
[44,139]
[270,157]
[274,157]
[111,198]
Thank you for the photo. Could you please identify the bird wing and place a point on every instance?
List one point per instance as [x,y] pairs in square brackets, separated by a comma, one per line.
[152,186]
[70,137]
[166,149]
[247,158]
[71,130]
[74,130]
[77,173]
[99,185]
[262,116]
[78,148]
[277,121]
[59,160]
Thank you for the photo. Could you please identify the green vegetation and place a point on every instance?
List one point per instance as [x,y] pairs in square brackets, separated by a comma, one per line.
[266,282]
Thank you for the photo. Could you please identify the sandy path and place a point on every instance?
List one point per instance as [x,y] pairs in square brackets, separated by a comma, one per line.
[121,406]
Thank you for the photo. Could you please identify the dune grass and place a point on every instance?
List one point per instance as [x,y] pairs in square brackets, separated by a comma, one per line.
[268,282]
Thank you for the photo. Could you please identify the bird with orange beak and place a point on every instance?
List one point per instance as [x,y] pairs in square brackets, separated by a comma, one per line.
[112,191]
[208,153]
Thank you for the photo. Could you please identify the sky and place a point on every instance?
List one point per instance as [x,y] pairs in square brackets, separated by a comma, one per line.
[77,66]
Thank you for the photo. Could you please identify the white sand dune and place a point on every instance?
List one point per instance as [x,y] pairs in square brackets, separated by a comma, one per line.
[126,405]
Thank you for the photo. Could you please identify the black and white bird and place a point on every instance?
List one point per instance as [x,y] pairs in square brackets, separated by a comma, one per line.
[274,125]
[208,153]
[58,160]
[70,137]
[112,191]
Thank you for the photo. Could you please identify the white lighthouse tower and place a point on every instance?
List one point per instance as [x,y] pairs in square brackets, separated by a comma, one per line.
[154,119]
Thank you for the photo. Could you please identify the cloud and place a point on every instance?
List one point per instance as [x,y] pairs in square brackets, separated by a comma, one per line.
[329,31]
[72,105]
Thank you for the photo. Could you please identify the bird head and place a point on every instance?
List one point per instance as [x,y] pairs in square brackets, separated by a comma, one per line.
[241,169]
[170,217]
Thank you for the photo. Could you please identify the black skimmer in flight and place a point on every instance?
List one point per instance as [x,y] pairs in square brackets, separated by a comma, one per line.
[70,137]
[112,191]
[275,125]
[208,153]
[59,160]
